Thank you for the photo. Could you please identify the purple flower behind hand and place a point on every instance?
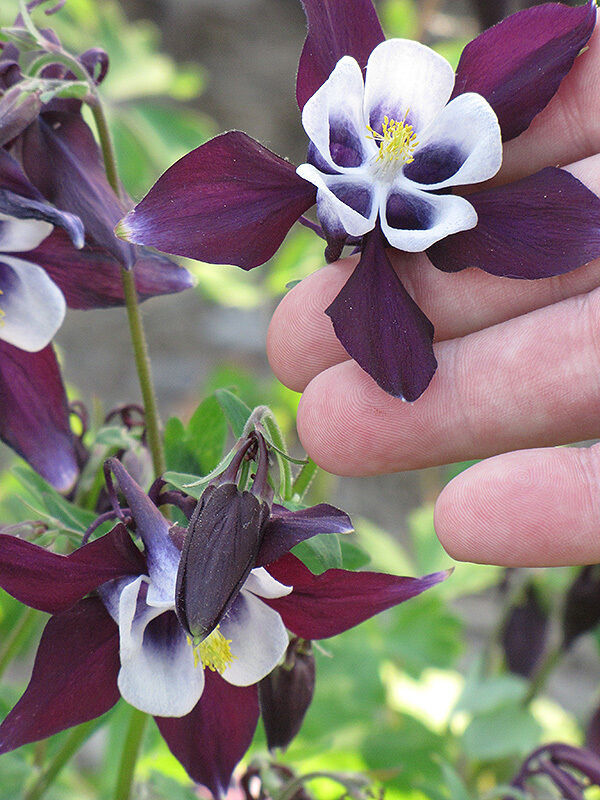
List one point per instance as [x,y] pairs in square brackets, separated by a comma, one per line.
[388,155]
[57,249]
[125,639]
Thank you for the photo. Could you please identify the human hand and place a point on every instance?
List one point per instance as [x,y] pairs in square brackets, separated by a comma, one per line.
[519,367]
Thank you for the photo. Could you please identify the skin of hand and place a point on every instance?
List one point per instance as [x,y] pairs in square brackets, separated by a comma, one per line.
[519,374]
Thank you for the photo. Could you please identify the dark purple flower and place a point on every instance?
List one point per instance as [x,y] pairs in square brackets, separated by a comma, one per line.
[45,266]
[126,640]
[57,249]
[571,770]
[388,153]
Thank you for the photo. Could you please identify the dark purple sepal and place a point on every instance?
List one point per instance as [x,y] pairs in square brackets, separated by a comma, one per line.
[543,225]
[90,277]
[213,738]
[335,30]
[34,414]
[229,201]
[53,583]
[24,208]
[222,541]
[325,605]
[519,64]
[61,158]
[74,677]
[14,179]
[381,327]
[19,198]
[285,529]
[286,693]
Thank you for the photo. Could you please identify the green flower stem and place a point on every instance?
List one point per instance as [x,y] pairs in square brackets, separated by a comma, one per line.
[142,360]
[72,743]
[540,679]
[18,636]
[131,749]
[138,337]
[106,144]
[305,478]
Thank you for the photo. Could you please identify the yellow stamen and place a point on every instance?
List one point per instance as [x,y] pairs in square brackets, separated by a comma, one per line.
[397,140]
[214,652]
[2,313]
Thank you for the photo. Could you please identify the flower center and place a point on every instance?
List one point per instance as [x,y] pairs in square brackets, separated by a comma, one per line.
[397,140]
[2,313]
[214,652]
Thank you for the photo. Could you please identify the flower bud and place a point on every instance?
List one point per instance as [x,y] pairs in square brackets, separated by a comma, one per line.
[582,605]
[286,693]
[18,108]
[221,545]
[524,634]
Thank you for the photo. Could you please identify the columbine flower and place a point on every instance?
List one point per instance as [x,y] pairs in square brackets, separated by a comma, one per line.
[125,639]
[52,186]
[385,164]
[45,266]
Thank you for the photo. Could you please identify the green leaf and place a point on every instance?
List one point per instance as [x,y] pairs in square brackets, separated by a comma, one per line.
[504,732]
[174,442]
[353,555]
[424,633]
[320,553]
[50,505]
[207,434]
[455,784]
[483,695]
[236,411]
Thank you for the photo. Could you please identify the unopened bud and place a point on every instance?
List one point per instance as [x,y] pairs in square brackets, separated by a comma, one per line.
[221,545]
[286,694]
[524,634]
[582,606]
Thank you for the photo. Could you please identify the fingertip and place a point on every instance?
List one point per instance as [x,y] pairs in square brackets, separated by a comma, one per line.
[301,341]
[529,509]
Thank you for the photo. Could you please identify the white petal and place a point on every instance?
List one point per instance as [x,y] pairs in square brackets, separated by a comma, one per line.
[157,672]
[335,114]
[32,304]
[20,235]
[258,639]
[260,583]
[466,130]
[405,76]
[440,216]
[336,216]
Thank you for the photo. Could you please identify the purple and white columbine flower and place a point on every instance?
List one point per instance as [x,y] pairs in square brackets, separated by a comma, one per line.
[124,639]
[386,162]
[381,150]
